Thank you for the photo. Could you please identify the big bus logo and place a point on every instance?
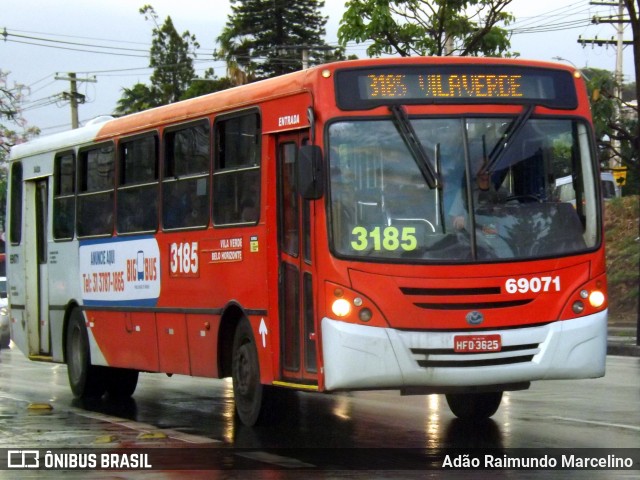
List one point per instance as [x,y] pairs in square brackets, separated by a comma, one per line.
[142,268]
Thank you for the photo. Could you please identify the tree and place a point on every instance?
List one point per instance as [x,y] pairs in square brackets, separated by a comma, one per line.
[265,39]
[136,99]
[209,84]
[171,56]
[428,27]
[614,119]
[633,9]
[13,128]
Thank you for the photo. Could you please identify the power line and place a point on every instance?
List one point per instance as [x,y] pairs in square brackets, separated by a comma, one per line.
[76,49]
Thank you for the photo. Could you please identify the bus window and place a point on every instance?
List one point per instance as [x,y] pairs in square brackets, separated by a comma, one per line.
[138,186]
[383,208]
[185,186]
[15,222]
[96,187]
[236,178]
[64,206]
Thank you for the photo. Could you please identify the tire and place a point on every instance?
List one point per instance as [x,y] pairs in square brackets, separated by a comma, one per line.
[474,406]
[86,380]
[121,382]
[247,389]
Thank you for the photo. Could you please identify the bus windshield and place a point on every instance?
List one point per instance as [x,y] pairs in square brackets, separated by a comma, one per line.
[497,197]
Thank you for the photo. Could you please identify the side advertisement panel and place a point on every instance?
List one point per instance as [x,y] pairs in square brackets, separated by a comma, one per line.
[123,271]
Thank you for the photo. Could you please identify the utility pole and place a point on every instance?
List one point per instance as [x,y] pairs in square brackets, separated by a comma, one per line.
[619,42]
[306,51]
[73,96]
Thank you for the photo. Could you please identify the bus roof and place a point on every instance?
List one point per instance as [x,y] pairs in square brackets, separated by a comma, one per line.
[234,99]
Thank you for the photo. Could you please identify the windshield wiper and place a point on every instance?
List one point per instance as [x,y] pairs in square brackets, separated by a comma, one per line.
[410,138]
[513,130]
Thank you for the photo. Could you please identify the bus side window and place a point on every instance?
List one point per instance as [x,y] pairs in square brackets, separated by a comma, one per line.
[64,196]
[185,185]
[236,178]
[15,221]
[96,190]
[138,186]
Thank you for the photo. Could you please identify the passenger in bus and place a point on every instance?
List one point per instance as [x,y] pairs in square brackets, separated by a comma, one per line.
[484,194]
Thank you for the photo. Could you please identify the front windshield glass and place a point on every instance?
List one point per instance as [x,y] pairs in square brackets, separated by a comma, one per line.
[494,200]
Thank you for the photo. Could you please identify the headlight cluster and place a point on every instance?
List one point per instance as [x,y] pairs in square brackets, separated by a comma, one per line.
[348,305]
[589,299]
[595,298]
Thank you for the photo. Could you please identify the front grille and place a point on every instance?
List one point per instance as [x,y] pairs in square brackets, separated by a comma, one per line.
[472,305]
[451,291]
[449,298]
[447,358]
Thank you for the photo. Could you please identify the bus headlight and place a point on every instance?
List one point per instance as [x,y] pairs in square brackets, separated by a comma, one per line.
[596,299]
[341,307]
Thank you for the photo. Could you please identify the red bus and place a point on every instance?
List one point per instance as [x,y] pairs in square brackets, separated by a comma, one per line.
[372,224]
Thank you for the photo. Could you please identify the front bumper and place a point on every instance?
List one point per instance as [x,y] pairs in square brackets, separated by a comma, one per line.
[361,357]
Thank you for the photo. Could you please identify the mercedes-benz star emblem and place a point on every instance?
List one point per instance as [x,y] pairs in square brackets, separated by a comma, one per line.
[475,318]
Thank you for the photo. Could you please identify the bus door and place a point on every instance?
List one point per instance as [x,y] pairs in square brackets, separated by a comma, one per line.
[297,330]
[36,267]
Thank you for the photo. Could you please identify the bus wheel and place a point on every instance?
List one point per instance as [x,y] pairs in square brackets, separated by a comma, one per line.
[474,406]
[247,389]
[121,382]
[86,380]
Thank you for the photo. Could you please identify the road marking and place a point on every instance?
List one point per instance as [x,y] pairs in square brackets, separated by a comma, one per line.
[279,460]
[602,424]
[145,428]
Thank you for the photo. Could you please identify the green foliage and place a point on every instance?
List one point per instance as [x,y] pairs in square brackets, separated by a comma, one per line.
[616,134]
[207,85]
[265,39]
[136,99]
[171,56]
[428,27]
[623,253]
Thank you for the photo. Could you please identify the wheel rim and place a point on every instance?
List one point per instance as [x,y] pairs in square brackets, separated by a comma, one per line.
[245,376]
[76,355]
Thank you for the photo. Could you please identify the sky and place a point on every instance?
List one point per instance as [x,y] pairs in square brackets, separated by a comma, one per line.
[543,30]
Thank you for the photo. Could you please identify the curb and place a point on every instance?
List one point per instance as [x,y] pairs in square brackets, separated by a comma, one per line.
[623,349]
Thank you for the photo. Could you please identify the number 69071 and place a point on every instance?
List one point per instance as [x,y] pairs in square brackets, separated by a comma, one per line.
[533,285]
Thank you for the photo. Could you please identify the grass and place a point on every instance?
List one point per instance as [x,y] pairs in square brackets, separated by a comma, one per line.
[622,234]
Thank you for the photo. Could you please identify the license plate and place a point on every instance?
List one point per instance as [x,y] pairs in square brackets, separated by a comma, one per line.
[477,343]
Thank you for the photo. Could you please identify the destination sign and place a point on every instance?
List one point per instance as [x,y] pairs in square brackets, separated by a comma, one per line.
[368,88]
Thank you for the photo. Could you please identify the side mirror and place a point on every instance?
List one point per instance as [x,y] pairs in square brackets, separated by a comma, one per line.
[310,177]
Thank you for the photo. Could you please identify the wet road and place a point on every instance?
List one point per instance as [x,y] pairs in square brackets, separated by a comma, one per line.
[183,414]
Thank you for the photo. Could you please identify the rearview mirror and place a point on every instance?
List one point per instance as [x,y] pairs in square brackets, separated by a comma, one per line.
[310,177]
